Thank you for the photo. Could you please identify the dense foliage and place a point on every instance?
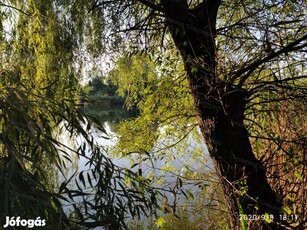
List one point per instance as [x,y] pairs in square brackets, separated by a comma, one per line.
[40,71]
[256,49]
[259,52]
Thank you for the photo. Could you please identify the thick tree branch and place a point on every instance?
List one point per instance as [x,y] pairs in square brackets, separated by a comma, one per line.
[252,67]
[151,5]
[280,82]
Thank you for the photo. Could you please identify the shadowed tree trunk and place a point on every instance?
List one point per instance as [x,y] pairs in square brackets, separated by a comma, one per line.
[220,108]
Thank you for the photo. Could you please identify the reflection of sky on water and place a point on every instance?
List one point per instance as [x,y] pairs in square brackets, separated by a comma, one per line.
[165,167]
[182,161]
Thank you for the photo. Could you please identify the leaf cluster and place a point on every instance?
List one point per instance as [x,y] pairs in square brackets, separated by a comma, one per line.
[39,97]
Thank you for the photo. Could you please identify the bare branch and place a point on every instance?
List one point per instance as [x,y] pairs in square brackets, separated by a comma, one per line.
[15,8]
[252,67]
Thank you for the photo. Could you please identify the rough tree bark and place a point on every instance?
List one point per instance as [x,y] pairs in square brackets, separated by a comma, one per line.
[220,109]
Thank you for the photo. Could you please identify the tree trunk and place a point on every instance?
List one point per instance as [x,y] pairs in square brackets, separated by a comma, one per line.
[220,109]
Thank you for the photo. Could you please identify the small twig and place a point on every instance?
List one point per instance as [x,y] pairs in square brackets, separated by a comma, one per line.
[15,8]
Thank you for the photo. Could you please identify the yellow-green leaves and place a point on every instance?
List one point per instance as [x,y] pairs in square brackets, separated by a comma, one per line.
[134,76]
[160,222]
[162,97]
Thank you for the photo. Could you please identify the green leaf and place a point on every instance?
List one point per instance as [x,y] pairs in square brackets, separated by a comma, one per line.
[268,218]
[81,178]
[63,186]
[242,219]
[287,210]
[160,222]
[298,175]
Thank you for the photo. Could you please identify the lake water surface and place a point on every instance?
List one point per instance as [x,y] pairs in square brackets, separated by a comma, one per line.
[187,161]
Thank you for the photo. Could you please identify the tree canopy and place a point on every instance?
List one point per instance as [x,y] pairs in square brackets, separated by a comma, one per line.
[244,61]
[236,69]
[41,66]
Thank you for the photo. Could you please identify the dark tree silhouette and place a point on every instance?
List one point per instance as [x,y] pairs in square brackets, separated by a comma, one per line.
[221,102]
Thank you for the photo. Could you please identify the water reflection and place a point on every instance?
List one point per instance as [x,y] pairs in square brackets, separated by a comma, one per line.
[179,171]
[110,114]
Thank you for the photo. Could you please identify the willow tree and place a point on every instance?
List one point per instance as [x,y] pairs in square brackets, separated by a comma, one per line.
[39,88]
[232,52]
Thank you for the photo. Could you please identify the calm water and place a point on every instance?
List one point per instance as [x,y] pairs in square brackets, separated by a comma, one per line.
[187,160]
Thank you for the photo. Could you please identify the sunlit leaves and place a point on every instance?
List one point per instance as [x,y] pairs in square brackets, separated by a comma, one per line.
[163,100]
[38,100]
[160,222]
[164,129]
